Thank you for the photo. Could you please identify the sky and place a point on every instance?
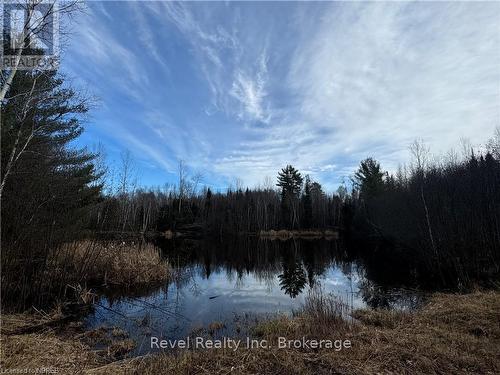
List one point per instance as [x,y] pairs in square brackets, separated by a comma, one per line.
[237,90]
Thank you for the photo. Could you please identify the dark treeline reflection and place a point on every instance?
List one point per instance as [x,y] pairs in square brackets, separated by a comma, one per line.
[296,264]
[292,266]
[241,279]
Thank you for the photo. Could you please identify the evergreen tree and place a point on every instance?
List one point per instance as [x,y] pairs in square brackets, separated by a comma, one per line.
[290,181]
[307,204]
[48,187]
[208,201]
[369,178]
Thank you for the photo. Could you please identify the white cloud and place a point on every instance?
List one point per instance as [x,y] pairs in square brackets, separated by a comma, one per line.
[321,88]
[237,84]
[371,78]
[251,92]
[380,75]
[142,149]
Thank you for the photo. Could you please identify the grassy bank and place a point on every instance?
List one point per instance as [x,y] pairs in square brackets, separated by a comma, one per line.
[451,334]
[46,348]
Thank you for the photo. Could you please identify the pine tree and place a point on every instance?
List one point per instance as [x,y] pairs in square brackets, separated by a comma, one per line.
[48,187]
[369,178]
[290,181]
[307,204]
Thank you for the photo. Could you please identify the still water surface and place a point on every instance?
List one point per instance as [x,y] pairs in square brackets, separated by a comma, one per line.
[239,282]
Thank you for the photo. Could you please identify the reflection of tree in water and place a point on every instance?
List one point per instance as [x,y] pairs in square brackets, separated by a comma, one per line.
[207,260]
[297,263]
[267,277]
[376,297]
[315,260]
[239,284]
[293,279]
[373,296]
[248,255]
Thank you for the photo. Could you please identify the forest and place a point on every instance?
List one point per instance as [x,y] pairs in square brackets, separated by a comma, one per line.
[440,215]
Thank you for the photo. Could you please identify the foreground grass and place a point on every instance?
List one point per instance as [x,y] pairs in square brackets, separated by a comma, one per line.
[452,334]
[42,349]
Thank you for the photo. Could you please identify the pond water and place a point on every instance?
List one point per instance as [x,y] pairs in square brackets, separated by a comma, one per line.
[236,283]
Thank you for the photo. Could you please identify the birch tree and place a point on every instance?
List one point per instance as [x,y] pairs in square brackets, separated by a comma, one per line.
[36,19]
[37,15]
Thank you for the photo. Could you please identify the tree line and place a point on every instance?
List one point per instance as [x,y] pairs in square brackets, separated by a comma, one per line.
[441,216]
[299,203]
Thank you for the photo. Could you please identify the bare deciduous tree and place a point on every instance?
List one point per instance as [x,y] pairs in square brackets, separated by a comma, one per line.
[36,19]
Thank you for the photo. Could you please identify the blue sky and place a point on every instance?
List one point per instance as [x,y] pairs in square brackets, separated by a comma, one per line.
[239,89]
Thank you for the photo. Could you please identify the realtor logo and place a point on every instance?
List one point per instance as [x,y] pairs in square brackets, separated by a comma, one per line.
[30,34]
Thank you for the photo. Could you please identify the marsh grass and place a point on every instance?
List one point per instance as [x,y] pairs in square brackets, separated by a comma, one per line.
[451,334]
[112,263]
[325,309]
[75,270]
[320,315]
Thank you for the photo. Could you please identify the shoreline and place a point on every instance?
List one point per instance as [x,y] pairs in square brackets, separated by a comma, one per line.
[452,332]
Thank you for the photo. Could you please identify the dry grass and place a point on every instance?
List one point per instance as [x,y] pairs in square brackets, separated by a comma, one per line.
[215,327]
[46,350]
[320,315]
[73,269]
[325,310]
[452,334]
[18,322]
[122,264]
[121,348]
[62,349]
[306,234]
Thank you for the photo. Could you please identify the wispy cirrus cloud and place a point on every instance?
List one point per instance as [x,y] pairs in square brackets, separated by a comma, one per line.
[368,79]
[97,52]
[241,89]
[238,83]
[250,91]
